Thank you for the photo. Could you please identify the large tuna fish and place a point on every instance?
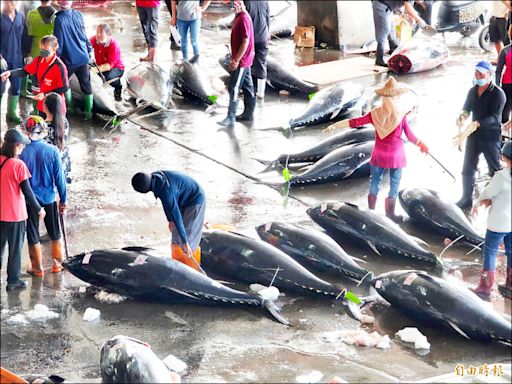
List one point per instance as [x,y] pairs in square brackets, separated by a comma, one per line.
[137,273]
[248,260]
[425,206]
[350,160]
[127,360]
[313,249]
[149,83]
[329,104]
[326,146]
[438,301]
[191,82]
[279,78]
[418,55]
[104,102]
[376,230]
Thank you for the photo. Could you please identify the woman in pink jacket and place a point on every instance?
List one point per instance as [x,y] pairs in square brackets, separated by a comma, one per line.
[390,122]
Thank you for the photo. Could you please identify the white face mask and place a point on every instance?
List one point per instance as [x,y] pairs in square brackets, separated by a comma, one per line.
[104,41]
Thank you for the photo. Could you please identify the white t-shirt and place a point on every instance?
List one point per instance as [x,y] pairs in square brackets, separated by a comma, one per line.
[499,192]
[498,9]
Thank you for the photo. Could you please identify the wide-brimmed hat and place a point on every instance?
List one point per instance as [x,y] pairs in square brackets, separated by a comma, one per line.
[36,127]
[13,135]
[391,88]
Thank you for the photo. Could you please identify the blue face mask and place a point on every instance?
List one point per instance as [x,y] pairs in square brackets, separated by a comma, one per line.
[479,82]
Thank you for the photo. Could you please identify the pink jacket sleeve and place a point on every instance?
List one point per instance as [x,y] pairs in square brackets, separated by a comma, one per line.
[358,121]
[408,132]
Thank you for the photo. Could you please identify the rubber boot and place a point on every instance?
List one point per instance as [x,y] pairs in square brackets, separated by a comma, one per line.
[152,55]
[36,259]
[261,84]
[179,255]
[12,109]
[379,60]
[468,184]
[506,290]
[372,201]
[88,102]
[69,102]
[390,210]
[486,282]
[229,121]
[249,106]
[57,255]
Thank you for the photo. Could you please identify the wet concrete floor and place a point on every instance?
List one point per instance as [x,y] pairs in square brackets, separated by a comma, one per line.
[219,344]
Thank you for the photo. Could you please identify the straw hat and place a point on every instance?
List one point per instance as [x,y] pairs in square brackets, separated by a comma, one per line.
[391,88]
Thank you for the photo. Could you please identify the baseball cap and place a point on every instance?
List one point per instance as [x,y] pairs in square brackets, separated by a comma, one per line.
[484,67]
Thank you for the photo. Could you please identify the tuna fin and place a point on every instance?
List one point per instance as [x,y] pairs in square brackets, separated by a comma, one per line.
[137,249]
[457,329]
[180,292]
[372,246]
[420,241]
[358,260]
[335,113]
[272,309]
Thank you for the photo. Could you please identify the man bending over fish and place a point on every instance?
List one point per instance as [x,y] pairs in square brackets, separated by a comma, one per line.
[184,206]
[390,122]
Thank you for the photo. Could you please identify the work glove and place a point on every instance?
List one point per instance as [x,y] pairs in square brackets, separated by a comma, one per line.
[461,119]
[459,138]
[422,24]
[423,147]
[340,124]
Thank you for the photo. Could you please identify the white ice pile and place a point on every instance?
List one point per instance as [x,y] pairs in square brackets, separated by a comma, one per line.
[18,319]
[39,313]
[312,377]
[413,335]
[359,337]
[91,314]
[109,297]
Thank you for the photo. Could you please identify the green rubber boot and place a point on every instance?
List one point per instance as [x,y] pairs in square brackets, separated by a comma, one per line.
[88,101]
[12,109]
[69,102]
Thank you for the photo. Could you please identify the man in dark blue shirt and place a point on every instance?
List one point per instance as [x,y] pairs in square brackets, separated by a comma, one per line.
[74,50]
[184,206]
[485,101]
[13,45]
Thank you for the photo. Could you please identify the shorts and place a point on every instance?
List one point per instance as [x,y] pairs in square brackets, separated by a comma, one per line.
[498,30]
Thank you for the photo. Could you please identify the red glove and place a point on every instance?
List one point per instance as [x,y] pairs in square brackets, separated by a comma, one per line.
[422,146]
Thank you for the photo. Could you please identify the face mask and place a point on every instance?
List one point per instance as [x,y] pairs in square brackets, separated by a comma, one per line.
[101,41]
[480,82]
[45,53]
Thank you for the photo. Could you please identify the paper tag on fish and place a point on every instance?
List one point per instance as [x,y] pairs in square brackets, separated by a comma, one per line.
[378,284]
[409,279]
[86,258]
[268,226]
[141,259]
[323,207]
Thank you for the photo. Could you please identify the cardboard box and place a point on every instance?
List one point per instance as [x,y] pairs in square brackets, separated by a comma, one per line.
[304,37]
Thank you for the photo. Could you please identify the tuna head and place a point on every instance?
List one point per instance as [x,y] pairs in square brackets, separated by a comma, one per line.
[127,360]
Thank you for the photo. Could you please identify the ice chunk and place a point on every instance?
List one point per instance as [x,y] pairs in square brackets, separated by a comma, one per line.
[362,338]
[269,293]
[367,319]
[413,335]
[41,312]
[175,364]
[256,287]
[109,297]
[82,289]
[18,319]
[312,377]
[91,314]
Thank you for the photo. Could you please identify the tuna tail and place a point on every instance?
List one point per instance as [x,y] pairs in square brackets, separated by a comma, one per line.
[272,309]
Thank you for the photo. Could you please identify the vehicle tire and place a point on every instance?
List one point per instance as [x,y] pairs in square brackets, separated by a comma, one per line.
[484,40]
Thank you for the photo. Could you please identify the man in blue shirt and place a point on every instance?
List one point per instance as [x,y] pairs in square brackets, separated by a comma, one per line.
[184,206]
[44,163]
[74,50]
[13,45]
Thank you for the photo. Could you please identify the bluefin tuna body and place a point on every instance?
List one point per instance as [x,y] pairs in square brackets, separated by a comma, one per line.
[127,360]
[279,78]
[329,104]
[248,260]
[191,82]
[149,83]
[104,102]
[437,301]
[326,146]
[376,230]
[136,272]
[349,160]
[418,55]
[312,249]
[425,207]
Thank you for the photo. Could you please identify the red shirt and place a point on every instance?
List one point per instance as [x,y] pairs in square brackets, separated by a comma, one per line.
[12,201]
[52,76]
[507,76]
[108,53]
[241,29]
[147,3]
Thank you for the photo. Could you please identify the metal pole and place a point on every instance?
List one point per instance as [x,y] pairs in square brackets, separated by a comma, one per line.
[63,227]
